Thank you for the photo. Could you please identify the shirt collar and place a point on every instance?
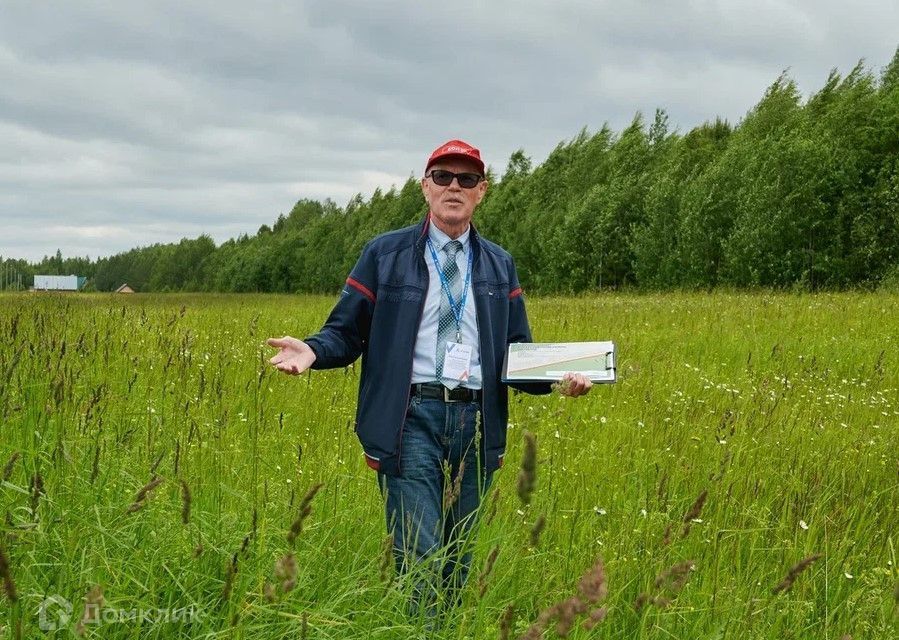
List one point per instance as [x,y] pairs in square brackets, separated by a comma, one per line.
[439,239]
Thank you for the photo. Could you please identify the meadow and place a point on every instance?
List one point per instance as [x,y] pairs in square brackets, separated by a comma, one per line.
[740,480]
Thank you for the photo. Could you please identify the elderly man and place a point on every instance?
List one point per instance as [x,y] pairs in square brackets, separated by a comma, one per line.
[431,309]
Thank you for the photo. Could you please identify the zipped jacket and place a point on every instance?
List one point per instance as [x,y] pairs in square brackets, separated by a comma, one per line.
[377,317]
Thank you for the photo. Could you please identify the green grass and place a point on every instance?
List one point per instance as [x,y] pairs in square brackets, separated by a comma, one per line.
[784,408]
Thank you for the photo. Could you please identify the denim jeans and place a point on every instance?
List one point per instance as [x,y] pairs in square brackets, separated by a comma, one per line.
[431,538]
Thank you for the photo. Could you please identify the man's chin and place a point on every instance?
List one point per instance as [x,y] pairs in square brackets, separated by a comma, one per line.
[454,215]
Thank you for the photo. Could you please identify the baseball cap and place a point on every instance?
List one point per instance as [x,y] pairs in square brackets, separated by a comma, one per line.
[456,149]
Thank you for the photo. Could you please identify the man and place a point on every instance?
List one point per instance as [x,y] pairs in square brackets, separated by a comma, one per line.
[431,309]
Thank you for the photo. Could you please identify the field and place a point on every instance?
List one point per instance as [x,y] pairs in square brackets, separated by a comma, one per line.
[156,465]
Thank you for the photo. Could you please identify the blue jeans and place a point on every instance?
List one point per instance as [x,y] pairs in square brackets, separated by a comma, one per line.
[431,533]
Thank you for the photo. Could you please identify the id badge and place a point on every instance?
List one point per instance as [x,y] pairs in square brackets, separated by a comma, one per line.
[457,361]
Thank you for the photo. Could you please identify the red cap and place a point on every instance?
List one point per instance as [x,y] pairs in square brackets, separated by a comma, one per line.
[456,149]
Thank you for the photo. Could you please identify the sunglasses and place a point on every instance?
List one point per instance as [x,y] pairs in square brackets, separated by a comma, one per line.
[445,178]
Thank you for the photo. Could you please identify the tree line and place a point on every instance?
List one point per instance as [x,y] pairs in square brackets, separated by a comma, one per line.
[800,194]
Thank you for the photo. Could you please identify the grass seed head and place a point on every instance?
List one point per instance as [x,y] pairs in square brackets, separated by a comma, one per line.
[537,529]
[674,577]
[229,578]
[507,622]
[156,463]
[10,465]
[666,538]
[488,569]
[567,612]
[696,508]
[591,589]
[37,490]
[9,586]
[596,616]
[491,509]
[694,512]
[592,585]
[286,572]
[787,583]
[141,496]
[386,561]
[527,476]
[454,489]
[185,502]
[305,509]
[95,466]
[666,586]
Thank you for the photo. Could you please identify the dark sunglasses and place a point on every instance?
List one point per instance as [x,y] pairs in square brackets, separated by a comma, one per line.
[445,178]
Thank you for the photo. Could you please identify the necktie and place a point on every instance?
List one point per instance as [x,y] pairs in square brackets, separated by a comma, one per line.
[446,323]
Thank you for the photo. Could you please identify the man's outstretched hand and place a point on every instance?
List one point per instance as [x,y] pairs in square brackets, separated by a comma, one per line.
[293,357]
[573,385]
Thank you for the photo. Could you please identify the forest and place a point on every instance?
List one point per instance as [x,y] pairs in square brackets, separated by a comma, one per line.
[802,193]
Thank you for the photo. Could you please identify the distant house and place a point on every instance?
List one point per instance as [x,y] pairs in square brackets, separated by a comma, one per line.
[124,289]
[59,283]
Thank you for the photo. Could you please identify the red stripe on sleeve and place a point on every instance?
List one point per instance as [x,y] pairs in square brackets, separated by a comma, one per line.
[361,288]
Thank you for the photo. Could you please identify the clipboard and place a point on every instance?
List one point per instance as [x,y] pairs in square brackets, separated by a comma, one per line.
[549,361]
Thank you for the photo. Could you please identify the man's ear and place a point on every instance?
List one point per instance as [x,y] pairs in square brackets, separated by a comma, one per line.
[482,190]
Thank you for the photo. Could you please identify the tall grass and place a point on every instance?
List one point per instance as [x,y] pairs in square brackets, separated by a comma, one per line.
[150,455]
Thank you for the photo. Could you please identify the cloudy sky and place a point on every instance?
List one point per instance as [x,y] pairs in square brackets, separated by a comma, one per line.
[128,123]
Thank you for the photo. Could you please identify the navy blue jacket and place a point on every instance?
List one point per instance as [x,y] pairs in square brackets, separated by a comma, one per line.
[377,317]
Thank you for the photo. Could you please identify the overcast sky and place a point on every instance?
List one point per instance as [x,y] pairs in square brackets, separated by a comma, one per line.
[128,123]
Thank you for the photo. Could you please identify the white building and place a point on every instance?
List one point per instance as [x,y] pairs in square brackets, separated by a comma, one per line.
[59,283]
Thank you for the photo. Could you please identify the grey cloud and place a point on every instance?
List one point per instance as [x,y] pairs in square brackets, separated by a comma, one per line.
[128,123]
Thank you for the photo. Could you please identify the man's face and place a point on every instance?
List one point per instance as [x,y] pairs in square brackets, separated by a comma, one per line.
[452,206]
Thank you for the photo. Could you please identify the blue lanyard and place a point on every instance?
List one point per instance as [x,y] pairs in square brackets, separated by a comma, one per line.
[456,309]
